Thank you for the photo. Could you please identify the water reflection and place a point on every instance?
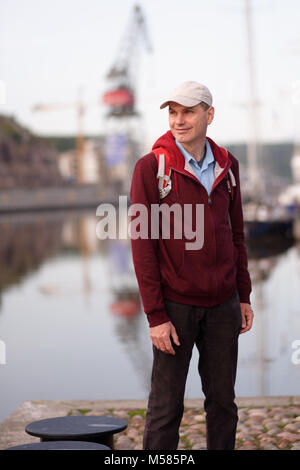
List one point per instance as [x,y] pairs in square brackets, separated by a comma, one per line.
[265,366]
[264,254]
[85,285]
[127,308]
[131,333]
[26,242]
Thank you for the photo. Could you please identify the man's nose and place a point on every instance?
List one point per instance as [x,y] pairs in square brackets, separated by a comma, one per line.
[179,119]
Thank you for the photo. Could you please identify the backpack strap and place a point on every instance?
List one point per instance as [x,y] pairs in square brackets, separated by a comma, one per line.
[164,172]
[231,183]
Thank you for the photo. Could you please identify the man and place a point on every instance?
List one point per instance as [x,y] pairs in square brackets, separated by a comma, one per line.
[192,296]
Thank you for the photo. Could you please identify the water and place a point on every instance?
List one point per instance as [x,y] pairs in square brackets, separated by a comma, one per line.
[65,337]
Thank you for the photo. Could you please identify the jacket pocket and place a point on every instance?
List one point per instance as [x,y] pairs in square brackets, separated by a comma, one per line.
[171,259]
[197,273]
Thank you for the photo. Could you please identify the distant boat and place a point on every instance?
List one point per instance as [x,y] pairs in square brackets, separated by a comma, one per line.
[263,220]
[268,228]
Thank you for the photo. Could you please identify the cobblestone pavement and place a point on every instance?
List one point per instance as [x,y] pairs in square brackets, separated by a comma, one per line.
[276,428]
[264,423]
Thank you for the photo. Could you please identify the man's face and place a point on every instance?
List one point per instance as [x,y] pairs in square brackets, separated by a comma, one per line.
[189,125]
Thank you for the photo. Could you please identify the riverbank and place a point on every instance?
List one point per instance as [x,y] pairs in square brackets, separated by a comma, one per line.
[265,423]
[50,198]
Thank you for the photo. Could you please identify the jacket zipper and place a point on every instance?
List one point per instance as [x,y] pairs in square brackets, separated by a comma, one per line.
[215,184]
[209,199]
[194,178]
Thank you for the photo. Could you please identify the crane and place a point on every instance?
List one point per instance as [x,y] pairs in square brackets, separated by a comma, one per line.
[120,97]
[80,108]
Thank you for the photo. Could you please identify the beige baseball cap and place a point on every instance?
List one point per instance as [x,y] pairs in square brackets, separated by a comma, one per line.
[189,94]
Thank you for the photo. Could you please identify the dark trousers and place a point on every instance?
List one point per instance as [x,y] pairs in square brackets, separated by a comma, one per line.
[215,332]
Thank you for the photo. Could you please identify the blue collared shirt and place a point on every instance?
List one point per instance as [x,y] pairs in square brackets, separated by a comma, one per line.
[205,172]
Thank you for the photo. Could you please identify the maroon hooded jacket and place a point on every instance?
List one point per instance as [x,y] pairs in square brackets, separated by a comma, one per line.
[164,268]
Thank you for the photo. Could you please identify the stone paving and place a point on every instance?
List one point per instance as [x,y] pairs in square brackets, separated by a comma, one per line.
[276,428]
[264,423]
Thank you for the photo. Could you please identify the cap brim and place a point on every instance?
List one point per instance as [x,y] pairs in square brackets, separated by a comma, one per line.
[183,100]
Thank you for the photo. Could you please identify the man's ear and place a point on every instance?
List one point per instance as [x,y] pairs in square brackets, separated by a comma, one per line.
[210,115]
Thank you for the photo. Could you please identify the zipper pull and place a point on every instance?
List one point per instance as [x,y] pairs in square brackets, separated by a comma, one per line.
[209,200]
[228,185]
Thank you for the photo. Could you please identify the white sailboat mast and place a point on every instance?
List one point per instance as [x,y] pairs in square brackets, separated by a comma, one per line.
[252,159]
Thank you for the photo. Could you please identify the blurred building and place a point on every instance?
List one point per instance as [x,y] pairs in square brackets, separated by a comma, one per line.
[67,163]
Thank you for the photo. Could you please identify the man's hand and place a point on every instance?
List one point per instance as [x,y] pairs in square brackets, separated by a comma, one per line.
[160,336]
[247,317]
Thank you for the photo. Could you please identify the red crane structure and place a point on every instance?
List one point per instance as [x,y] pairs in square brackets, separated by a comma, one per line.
[122,121]
[120,98]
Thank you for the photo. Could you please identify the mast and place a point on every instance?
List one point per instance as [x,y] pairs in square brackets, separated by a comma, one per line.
[252,159]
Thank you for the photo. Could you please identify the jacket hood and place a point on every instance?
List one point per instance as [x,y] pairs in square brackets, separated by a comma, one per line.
[167,141]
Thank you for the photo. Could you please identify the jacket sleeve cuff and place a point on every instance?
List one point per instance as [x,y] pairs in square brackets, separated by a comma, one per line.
[244,298]
[157,318]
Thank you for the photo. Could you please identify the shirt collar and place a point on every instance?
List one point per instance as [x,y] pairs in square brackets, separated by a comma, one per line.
[208,159]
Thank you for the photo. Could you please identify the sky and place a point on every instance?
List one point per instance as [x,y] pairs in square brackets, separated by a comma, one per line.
[51,49]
